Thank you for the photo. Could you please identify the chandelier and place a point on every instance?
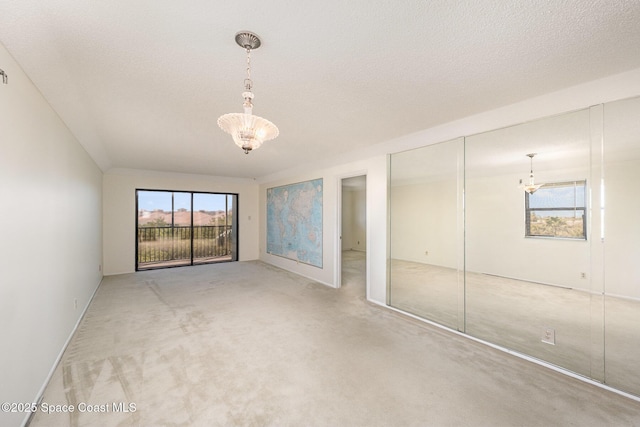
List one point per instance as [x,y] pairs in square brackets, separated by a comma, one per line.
[531,187]
[248,131]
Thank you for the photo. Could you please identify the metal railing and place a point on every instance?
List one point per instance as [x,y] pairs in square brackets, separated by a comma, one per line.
[164,244]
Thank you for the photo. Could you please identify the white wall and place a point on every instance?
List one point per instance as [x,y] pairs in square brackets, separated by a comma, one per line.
[573,98]
[51,248]
[376,204]
[120,210]
[424,223]
[354,214]
[622,230]
[424,219]
[347,219]
[622,204]
[495,242]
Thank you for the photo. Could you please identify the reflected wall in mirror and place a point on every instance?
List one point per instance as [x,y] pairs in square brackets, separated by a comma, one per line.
[425,216]
[554,275]
[528,293]
[622,244]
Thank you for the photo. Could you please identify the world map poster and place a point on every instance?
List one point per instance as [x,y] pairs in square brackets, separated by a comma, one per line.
[294,221]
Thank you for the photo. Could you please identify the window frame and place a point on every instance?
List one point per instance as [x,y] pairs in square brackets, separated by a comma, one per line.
[191,260]
[578,183]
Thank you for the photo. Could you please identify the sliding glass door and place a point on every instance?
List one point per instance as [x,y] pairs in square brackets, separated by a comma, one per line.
[213,227]
[185,228]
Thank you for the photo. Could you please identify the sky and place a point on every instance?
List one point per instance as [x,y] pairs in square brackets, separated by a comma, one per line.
[152,200]
[566,196]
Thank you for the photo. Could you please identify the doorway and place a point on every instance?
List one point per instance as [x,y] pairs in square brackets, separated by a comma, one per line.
[353,235]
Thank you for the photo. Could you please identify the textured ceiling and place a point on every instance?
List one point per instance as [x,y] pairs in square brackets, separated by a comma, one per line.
[142,83]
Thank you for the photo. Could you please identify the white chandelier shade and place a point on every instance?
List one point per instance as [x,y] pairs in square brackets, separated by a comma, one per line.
[248,131]
[531,187]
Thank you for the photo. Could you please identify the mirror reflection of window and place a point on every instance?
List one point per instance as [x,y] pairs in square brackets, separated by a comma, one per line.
[553,275]
[557,210]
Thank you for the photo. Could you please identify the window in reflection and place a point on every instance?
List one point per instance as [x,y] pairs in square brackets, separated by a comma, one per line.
[458,255]
[557,210]
[518,288]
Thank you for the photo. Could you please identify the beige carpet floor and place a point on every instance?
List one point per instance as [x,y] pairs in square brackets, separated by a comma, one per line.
[593,334]
[247,344]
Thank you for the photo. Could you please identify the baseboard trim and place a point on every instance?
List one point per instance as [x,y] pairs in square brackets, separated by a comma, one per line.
[40,394]
[322,282]
[512,352]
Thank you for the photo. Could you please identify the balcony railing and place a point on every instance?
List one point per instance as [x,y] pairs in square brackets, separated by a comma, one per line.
[174,245]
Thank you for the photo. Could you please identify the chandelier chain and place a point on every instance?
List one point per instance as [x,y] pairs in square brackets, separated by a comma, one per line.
[248,84]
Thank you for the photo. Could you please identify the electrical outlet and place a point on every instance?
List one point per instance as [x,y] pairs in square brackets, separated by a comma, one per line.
[549,336]
[583,275]
[426,252]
